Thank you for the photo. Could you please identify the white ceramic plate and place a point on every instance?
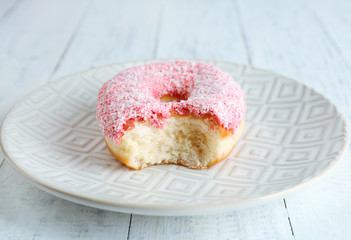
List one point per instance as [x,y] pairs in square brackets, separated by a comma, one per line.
[293,135]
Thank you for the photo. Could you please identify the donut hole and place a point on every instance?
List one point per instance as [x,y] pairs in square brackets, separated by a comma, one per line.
[174,98]
[184,140]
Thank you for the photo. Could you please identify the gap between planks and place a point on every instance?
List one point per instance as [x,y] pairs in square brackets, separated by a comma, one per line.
[242,32]
[9,10]
[69,43]
[2,162]
[243,36]
[249,59]
[61,58]
[287,212]
[130,224]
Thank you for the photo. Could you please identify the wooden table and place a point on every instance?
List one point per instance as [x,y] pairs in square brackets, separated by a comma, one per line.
[309,41]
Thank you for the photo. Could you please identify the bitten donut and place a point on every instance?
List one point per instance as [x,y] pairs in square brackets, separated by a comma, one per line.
[183,113]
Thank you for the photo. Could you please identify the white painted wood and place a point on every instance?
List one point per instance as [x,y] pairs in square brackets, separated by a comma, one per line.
[33,37]
[112,31]
[294,42]
[30,46]
[7,7]
[267,221]
[335,20]
[210,30]
[323,210]
[289,40]
[29,213]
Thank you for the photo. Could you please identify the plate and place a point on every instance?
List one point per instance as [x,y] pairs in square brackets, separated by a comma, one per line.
[293,136]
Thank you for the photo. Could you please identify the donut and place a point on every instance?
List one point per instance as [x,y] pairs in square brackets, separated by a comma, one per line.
[184,113]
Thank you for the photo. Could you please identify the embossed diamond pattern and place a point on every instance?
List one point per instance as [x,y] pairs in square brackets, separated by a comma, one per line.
[291,135]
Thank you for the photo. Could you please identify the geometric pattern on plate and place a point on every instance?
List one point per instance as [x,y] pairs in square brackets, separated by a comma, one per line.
[292,134]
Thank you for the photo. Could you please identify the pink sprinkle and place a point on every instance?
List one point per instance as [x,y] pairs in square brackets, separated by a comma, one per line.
[134,94]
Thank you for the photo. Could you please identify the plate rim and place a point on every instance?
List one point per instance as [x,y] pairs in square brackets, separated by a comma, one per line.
[179,209]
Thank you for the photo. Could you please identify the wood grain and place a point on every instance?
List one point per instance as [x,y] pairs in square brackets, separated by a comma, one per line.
[262,222]
[292,42]
[29,213]
[209,30]
[334,19]
[31,46]
[112,32]
[7,7]
[322,211]
[31,49]
[296,43]
[309,41]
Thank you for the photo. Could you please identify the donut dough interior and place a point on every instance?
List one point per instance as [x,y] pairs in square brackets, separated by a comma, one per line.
[184,140]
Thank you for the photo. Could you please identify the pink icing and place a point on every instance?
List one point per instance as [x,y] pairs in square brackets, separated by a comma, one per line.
[134,94]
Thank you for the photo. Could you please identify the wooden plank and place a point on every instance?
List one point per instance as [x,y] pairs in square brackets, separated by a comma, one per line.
[115,31]
[30,46]
[29,213]
[290,39]
[210,30]
[32,39]
[268,221]
[322,211]
[6,8]
[287,39]
[335,20]
[106,35]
